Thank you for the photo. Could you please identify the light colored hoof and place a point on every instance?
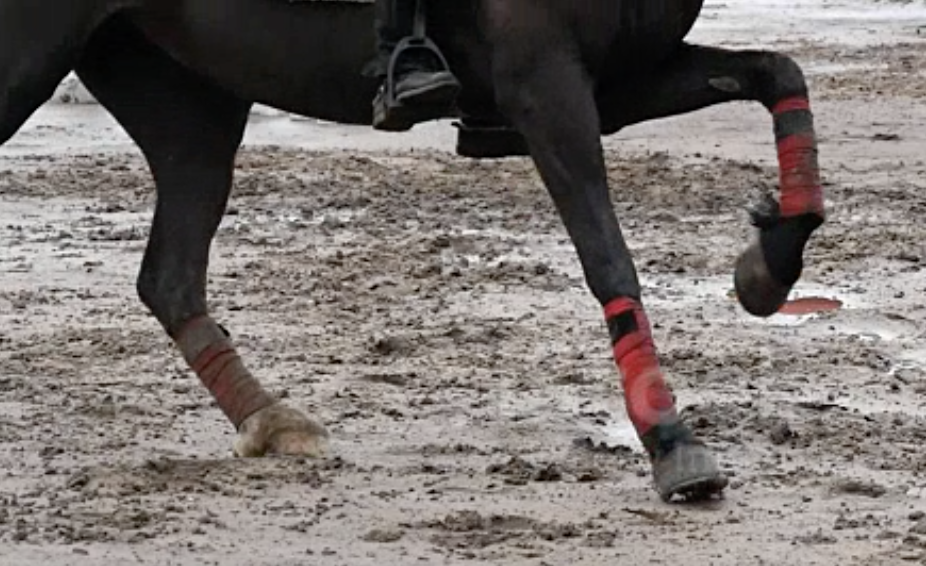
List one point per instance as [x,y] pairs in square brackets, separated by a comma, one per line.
[281,430]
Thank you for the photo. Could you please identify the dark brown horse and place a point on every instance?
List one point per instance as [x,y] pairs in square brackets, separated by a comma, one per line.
[181,75]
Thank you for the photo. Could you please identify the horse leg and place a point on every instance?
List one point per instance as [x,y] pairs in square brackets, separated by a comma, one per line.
[189,131]
[697,77]
[566,147]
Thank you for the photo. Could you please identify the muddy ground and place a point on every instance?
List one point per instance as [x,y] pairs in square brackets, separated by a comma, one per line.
[430,310]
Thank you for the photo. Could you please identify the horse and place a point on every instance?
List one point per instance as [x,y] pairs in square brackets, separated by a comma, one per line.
[542,78]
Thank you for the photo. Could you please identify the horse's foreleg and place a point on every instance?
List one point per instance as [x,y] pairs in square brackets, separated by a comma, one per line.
[189,131]
[561,127]
[697,77]
[172,283]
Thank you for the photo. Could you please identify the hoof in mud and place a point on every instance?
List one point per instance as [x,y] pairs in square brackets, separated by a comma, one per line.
[690,473]
[281,430]
[757,291]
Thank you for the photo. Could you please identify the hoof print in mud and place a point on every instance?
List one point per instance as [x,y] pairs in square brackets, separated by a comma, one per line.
[688,473]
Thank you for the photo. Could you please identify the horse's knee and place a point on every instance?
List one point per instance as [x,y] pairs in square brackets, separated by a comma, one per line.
[779,77]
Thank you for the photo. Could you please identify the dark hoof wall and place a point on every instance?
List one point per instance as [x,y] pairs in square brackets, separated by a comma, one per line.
[689,473]
[757,291]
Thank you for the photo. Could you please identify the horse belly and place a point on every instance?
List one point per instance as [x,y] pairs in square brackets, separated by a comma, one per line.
[303,57]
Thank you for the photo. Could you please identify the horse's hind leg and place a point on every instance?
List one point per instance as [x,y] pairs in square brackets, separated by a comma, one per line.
[38,48]
[189,131]
[566,147]
[697,77]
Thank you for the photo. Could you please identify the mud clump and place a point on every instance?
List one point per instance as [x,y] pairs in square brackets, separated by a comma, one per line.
[472,530]
[859,488]
[518,471]
[781,433]
[384,536]
[393,346]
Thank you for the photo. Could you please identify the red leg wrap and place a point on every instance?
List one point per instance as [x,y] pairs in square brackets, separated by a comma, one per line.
[799,172]
[213,357]
[648,398]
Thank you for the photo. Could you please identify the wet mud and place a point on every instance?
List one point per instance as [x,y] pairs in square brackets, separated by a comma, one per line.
[431,312]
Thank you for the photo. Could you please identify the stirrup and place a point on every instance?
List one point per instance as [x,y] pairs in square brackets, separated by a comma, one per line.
[410,44]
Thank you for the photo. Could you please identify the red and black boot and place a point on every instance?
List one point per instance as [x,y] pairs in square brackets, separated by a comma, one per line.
[682,464]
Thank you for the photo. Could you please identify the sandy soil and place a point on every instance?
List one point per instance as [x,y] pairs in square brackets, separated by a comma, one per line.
[431,312]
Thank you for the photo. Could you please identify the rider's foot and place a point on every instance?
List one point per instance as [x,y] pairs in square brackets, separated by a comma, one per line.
[423,91]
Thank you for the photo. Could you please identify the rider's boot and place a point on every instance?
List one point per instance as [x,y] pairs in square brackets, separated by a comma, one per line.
[423,88]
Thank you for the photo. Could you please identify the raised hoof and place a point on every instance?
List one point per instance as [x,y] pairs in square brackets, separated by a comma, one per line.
[688,472]
[281,430]
[757,291]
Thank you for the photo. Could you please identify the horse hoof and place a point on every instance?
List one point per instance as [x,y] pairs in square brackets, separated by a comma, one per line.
[689,472]
[281,430]
[757,291]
